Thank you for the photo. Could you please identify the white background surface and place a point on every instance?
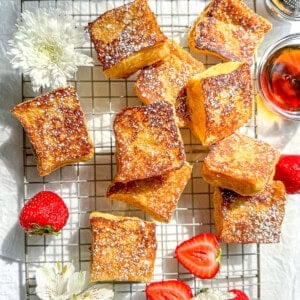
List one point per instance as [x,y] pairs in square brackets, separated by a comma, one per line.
[273,258]
[280,264]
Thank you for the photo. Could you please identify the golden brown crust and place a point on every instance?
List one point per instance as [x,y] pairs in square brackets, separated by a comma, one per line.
[122,248]
[127,38]
[157,196]
[228,29]
[148,142]
[250,219]
[240,163]
[219,101]
[56,127]
[167,79]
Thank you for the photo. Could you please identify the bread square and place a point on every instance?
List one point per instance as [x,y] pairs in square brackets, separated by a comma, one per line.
[228,29]
[56,127]
[249,219]
[240,163]
[158,196]
[167,79]
[127,38]
[148,142]
[219,101]
[122,248]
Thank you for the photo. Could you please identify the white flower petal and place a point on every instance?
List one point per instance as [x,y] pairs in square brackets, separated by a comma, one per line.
[210,294]
[77,282]
[52,281]
[44,275]
[97,292]
[61,282]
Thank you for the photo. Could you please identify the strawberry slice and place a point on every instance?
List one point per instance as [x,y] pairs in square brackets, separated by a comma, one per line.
[201,255]
[169,290]
[288,171]
[240,295]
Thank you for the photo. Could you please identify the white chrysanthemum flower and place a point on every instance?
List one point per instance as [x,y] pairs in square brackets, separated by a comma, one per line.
[44,47]
[210,294]
[57,282]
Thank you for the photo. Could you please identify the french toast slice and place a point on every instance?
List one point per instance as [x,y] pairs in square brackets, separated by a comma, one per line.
[122,248]
[219,101]
[56,127]
[167,79]
[148,142]
[249,219]
[158,196]
[228,29]
[127,39]
[240,163]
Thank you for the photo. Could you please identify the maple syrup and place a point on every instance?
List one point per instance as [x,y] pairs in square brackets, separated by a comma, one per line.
[279,79]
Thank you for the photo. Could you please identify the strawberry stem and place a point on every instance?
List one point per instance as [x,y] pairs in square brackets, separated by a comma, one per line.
[41,230]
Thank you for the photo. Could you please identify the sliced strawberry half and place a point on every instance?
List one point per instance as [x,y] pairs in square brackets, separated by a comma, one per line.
[200,255]
[169,290]
[288,171]
[240,295]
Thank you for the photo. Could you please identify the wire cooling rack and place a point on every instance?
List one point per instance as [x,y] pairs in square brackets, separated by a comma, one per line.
[83,185]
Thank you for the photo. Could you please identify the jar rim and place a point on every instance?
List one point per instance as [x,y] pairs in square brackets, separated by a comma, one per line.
[278,12]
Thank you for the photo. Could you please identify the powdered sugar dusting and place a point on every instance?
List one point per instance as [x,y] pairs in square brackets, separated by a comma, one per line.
[123,249]
[55,125]
[252,219]
[167,80]
[230,29]
[134,28]
[148,141]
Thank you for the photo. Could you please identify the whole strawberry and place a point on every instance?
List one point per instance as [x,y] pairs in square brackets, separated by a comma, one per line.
[288,171]
[45,213]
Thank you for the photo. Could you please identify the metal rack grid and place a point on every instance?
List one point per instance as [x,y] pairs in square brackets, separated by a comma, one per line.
[83,185]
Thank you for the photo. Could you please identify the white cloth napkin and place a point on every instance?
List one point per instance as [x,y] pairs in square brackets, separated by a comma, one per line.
[11,154]
[11,235]
[11,165]
[279,261]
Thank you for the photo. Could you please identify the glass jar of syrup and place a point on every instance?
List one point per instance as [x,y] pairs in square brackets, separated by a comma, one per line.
[285,9]
[278,77]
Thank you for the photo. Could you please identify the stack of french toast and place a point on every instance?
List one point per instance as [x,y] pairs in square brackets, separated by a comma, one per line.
[177,91]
